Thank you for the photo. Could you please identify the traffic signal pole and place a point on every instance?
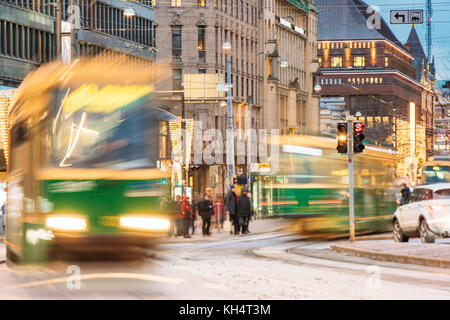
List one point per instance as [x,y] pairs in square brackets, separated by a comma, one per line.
[351,195]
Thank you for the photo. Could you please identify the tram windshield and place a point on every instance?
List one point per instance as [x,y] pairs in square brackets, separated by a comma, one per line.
[111,127]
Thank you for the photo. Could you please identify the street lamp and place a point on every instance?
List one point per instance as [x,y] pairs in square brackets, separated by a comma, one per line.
[284,64]
[226,45]
[317,88]
[129,12]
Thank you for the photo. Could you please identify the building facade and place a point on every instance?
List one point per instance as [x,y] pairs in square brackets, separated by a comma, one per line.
[288,66]
[190,35]
[375,74]
[28,32]
[442,117]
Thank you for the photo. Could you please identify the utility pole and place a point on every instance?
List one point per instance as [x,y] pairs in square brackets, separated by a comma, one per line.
[230,140]
[184,145]
[249,140]
[58,29]
[351,196]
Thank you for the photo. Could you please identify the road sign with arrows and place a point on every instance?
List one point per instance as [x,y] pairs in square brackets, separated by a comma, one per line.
[406,16]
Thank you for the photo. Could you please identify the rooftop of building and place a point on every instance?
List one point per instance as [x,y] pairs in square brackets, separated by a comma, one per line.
[347,20]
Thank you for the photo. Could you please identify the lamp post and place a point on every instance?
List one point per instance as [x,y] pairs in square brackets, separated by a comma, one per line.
[230,139]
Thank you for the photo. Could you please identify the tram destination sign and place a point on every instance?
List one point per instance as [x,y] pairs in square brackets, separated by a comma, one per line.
[406,16]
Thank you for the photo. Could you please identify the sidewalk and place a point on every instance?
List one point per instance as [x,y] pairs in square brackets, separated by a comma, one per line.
[427,254]
[256,227]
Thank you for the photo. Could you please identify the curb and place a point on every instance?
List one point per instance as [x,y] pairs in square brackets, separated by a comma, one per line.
[375,237]
[429,262]
[212,238]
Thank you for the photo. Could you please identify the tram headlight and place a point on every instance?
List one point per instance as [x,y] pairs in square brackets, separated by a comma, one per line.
[66,223]
[144,223]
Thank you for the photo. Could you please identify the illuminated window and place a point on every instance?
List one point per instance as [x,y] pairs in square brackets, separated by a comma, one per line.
[336,62]
[201,45]
[201,3]
[359,61]
[320,61]
[319,46]
[175,3]
[364,45]
[270,67]
[386,61]
[381,80]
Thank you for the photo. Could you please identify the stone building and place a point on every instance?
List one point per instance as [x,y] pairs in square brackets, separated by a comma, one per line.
[375,73]
[28,32]
[288,65]
[272,61]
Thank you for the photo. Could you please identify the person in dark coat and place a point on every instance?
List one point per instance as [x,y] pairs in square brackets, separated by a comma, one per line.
[406,194]
[231,201]
[176,214]
[245,210]
[206,211]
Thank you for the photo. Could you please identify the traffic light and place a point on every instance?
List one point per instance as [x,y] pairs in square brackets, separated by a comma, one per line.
[342,137]
[358,137]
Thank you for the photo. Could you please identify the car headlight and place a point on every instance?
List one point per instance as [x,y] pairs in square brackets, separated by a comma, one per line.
[66,223]
[144,223]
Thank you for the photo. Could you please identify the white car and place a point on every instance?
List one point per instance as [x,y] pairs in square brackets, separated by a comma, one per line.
[427,215]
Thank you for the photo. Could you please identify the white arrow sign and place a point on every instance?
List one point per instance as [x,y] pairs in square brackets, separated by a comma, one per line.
[406,16]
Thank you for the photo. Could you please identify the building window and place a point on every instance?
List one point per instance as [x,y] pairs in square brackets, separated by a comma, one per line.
[320,61]
[203,71]
[176,43]
[201,3]
[201,44]
[359,61]
[386,62]
[336,62]
[269,66]
[176,3]
[177,76]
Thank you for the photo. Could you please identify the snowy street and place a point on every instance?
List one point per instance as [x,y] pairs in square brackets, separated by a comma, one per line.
[275,265]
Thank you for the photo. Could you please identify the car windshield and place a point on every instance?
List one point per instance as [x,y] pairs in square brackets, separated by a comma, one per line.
[436,174]
[106,127]
[442,194]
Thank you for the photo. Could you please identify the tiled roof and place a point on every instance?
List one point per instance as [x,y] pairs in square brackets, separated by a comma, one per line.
[347,20]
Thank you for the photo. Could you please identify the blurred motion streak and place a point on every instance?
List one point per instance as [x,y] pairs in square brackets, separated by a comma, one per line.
[90,161]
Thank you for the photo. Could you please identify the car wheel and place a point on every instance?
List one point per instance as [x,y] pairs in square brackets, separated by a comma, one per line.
[399,236]
[426,236]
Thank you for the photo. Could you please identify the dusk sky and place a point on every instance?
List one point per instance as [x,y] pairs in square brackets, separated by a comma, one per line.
[440,28]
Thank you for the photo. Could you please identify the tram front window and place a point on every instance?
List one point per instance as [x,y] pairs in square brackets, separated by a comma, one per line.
[87,131]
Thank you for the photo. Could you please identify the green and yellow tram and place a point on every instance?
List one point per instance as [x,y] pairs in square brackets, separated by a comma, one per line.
[87,162]
[311,186]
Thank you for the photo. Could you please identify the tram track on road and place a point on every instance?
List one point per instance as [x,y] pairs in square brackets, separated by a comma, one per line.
[353,265]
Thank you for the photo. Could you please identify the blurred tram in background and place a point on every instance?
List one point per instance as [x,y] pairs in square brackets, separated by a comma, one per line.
[87,156]
[311,187]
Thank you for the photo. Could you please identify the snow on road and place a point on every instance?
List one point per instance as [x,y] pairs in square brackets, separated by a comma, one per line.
[250,267]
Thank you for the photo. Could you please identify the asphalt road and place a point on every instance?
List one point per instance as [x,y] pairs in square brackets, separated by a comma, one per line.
[275,265]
